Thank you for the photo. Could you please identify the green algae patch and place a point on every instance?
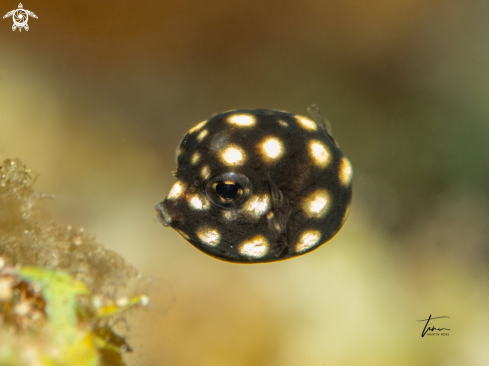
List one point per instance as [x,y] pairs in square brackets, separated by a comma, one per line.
[61,293]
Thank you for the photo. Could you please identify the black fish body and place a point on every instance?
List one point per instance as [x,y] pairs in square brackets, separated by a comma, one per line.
[258,186]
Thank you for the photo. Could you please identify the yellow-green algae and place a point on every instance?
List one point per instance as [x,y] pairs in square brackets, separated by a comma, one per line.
[60,292]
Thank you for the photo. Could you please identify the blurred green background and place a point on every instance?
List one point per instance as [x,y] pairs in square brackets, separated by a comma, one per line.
[96,96]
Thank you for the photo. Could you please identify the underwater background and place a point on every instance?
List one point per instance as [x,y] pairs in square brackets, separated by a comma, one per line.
[97,95]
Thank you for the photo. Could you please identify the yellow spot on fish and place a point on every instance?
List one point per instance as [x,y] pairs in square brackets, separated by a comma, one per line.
[242,120]
[195,158]
[198,203]
[317,204]
[319,153]
[345,172]
[307,240]
[176,190]
[258,205]
[202,135]
[306,123]
[209,236]
[205,172]
[283,123]
[272,147]
[197,127]
[256,247]
[233,155]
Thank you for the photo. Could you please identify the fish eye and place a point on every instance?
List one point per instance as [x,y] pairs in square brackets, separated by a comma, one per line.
[229,190]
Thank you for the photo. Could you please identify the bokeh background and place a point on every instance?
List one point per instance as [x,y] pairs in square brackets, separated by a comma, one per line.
[96,96]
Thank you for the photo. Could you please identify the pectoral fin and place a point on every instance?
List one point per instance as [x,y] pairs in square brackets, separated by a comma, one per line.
[277,219]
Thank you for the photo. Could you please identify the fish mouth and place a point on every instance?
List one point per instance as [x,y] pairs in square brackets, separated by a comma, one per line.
[162,214]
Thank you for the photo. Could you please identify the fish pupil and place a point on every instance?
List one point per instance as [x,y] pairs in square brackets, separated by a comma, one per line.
[227,190]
